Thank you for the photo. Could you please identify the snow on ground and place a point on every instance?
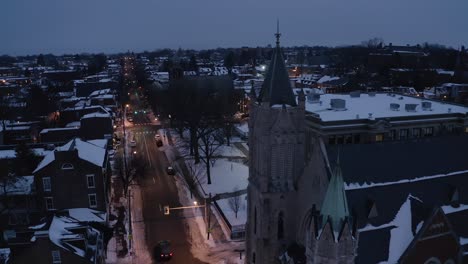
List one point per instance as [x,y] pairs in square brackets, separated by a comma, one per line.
[209,251]
[229,151]
[139,250]
[226,176]
[241,218]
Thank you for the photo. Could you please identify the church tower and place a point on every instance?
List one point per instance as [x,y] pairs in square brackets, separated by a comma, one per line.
[276,160]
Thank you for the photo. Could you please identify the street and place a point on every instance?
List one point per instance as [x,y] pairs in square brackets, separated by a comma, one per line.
[157,190]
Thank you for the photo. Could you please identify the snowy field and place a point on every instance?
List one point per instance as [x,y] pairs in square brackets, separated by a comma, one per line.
[226,176]
[241,218]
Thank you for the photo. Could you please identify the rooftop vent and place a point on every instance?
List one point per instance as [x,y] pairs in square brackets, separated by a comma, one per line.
[426,106]
[394,107]
[400,98]
[410,107]
[355,94]
[313,98]
[450,110]
[338,104]
[371,117]
[372,94]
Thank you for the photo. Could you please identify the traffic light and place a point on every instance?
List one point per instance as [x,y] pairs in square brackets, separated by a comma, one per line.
[166,210]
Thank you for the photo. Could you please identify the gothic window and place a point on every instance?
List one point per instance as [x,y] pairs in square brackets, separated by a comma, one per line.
[255,220]
[280,226]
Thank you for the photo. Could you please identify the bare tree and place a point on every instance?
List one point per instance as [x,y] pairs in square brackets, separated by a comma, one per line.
[208,146]
[136,168]
[373,43]
[197,175]
[235,202]
[7,179]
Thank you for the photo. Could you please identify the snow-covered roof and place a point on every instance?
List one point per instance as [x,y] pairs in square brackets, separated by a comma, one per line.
[47,130]
[96,114]
[5,255]
[327,78]
[22,186]
[377,106]
[100,92]
[64,228]
[401,233]
[91,152]
[11,153]
[74,124]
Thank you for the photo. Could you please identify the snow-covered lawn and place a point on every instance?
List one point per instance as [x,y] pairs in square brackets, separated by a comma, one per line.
[226,176]
[241,218]
[229,151]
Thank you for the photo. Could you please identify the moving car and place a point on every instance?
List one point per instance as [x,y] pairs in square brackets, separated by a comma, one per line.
[157,137]
[132,143]
[162,251]
[170,170]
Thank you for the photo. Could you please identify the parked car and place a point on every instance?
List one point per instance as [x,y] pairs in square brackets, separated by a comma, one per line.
[157,137]
[170,170]
[132,143]
[162,251]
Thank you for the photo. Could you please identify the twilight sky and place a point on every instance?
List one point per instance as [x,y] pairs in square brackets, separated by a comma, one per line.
[75,26]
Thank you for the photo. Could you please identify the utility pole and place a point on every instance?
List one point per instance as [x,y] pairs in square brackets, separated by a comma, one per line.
[208,230]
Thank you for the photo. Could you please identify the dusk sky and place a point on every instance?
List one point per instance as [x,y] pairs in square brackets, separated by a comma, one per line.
[75,26]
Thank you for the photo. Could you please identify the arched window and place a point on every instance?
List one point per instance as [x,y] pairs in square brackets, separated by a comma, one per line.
[449,261]
[67,166]
[432,260]
[255,220]
[280,226]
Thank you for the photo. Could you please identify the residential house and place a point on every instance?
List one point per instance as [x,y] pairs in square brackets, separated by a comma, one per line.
[74,175]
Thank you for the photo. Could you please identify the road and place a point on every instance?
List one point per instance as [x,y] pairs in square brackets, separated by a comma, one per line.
[157,190]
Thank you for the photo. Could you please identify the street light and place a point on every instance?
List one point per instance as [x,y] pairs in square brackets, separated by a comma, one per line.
[134,152]
[195,202]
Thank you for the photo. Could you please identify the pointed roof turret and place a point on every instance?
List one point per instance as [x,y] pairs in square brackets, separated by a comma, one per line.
[335,205]
[276,88]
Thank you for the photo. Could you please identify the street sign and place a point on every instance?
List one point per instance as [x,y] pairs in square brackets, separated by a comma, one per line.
[167,210]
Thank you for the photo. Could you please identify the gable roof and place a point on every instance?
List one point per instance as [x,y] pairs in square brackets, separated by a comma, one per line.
[92,152]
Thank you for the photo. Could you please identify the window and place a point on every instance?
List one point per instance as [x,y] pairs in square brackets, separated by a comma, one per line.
[357,139]
[339,140]
[90,180]
[466,129]
[416,132]
[379,137]
[392,134]
[348,139]
[92,200]
[253,257]
[49,203]
[56,256]
[331,140]
[280,226]
[432,260]
[403,133]
[67,166]
[428,131]
[255,220]
[46,184]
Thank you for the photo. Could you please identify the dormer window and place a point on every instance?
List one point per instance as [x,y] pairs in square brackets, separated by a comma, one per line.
[67,166]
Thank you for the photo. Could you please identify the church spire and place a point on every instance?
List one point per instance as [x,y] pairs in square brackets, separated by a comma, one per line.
[278,34]
[276,88]
[335,206]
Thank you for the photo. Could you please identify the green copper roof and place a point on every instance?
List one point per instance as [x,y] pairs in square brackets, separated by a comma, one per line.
[335,205]
[276,88]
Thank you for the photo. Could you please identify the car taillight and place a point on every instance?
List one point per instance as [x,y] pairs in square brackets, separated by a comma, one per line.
[170,254]
[162,255]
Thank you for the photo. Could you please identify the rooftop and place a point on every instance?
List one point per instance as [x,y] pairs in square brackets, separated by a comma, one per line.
[367,106]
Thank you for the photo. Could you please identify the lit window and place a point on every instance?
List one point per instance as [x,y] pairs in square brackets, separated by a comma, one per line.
[49,203]
[92,200]
[90,180]
[379,137]
[46,184]
[466,129]
[56,256]
[67,166]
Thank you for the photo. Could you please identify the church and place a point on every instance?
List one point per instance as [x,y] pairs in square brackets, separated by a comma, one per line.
[372,201]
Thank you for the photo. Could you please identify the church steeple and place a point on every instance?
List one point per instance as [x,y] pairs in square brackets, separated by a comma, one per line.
[335,206]
[276,88]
